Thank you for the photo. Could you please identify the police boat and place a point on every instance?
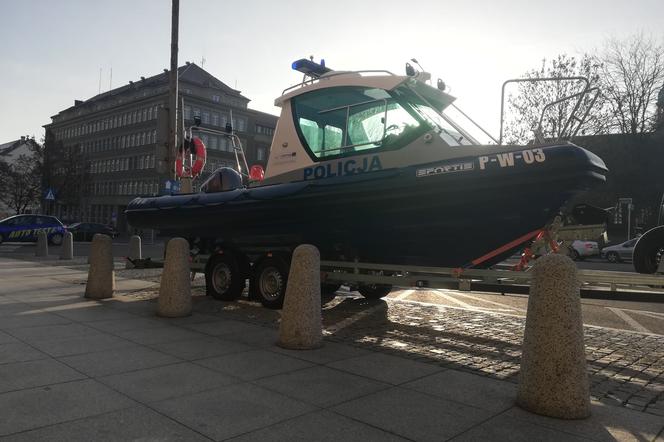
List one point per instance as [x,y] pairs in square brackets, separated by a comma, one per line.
[378,167]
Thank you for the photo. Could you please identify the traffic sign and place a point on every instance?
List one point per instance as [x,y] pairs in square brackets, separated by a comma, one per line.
[50,195]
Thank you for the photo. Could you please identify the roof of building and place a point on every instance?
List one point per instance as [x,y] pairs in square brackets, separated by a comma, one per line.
[7,148]
[189,73]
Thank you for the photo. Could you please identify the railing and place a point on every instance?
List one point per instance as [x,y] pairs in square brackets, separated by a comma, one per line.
[569,125]
[312,80]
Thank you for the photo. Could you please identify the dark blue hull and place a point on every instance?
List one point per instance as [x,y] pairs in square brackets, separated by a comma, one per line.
[438,214]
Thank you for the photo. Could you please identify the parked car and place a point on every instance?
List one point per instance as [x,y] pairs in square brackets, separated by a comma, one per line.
[619,252]
[583,249]
[24,228]
[85,231]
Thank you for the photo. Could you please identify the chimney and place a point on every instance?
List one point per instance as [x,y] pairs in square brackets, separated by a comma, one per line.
[22,137]
[78,102]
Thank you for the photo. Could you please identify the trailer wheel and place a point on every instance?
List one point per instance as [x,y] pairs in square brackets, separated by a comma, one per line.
[268,282]
[223,279]
[649,250]
[374,291]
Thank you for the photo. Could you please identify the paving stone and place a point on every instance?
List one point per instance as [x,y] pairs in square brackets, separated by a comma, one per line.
[155,384]
[477,391]
[31,320]
[223,327]
[118,360]
[119,325]
[503,428]
[81,344]
[165,333]
[19,352]
[137,423]
[201,348]
[52,332]
[253,364]
[21,375]
[386,368]
[233,410]
[92,311]
[413,415]
[606,423]
[329,352]
[321,386]
[29,409]
[321,426]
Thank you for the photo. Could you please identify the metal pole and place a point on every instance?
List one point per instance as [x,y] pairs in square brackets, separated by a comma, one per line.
[173,91]
[629,220]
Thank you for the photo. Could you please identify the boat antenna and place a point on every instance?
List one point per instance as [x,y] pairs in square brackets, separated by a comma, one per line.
[417,63]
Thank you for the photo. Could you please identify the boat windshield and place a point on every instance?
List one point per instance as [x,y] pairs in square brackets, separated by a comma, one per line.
[344,120]
[448,129]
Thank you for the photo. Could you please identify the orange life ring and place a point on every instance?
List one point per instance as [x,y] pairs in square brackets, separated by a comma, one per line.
[200,153]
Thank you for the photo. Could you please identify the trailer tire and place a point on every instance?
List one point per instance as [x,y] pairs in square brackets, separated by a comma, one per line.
[649,251]
[269,278]
[374,291]
[223,278]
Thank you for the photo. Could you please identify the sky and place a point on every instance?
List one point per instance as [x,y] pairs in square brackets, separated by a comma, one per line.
[51,52]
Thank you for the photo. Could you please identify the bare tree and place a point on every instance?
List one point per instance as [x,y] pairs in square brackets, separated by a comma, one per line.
[20,182]
[525,106]
[65,169]
[631,75]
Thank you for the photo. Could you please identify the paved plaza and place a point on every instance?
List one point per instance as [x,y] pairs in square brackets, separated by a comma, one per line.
[76,369]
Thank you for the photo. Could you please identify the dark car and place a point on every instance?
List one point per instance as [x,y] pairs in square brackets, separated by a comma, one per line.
[85,231]
[24,228]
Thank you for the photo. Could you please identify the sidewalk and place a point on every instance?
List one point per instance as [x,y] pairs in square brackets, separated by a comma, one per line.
[75,369]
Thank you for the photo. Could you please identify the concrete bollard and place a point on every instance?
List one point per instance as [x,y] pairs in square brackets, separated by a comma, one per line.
[42,244]
[175,288]
[67,249]
[101,276]
[301,325]
[134,250]
[553,378]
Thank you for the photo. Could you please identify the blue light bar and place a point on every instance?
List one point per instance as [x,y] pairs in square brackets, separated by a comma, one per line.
[310,68]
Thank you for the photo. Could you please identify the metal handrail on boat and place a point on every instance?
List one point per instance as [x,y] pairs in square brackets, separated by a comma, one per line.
[586,90]
[312,80]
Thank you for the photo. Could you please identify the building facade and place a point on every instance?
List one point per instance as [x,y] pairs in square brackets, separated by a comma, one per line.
[103,152]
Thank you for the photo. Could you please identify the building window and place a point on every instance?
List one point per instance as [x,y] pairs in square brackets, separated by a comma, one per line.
[206,117]
[187,112]
[213,143]
[145,115]
[197,112]
[215,119]
[260,154]
[150,113]
[216,98]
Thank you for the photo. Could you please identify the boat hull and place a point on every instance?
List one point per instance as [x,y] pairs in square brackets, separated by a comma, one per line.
[443,213]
